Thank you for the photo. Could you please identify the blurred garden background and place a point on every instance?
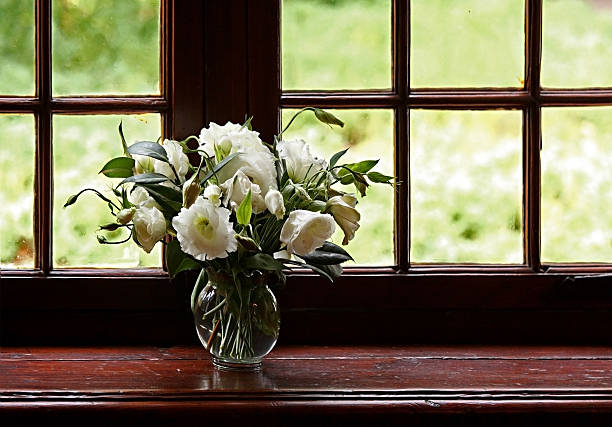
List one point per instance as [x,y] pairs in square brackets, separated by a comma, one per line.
[466,167]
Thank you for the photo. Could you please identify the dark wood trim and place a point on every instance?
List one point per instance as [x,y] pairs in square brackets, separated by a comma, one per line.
[187,64]
[374,385]
[226,72]
[361,99]
[43,190]
[109,105]
[401,84]
[575,97]
[532,134]
[263,59]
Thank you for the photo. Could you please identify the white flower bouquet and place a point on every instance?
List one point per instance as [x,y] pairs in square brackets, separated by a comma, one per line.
[243,213]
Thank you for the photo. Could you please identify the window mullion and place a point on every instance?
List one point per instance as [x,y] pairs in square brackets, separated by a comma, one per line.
[43,183]
[401,61]
[532,134]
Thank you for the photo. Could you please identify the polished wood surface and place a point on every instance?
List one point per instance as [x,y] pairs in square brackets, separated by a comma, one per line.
[372,381]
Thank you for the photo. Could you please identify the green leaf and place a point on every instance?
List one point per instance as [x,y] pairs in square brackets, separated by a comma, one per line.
[149,149]
[72,199]
[262,261]
[145,178]
[243,214]
[334,270]
[265,312]
[119,167]
[360,167]
[327,118]
[169,199]
[247,123]
[197,288]
[317,269]
[247,243]
[334,159]
[218,167]
[123,143]
[347,179]
[124,199]
[328,254]
[177,260]
[379,177]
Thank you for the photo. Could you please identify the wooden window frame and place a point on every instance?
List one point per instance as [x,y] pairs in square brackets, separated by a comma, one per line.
[219,73]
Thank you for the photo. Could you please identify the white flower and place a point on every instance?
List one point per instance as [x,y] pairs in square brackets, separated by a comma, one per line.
[176,157]
[256,160]
[204,230]
[125,215]
[141,199]
[236,189]
[304,231]
[301,165]
[149,226]
[191,191]
[343,210]
[275,203]
[142,164]
[213,193]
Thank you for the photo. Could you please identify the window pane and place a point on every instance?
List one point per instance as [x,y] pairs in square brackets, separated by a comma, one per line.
[17,47]
[342,44]
[467,43]
[82,145]
[576,185]
[17,191]
[577,43]
[466,186]
[105,47]
[369,134]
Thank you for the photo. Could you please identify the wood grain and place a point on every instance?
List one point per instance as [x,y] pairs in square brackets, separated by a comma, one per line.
[385,382]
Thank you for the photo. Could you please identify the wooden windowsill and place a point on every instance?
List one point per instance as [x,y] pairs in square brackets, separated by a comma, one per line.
[347,382]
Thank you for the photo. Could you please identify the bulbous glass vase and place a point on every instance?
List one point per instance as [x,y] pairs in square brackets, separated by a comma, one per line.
[238,323]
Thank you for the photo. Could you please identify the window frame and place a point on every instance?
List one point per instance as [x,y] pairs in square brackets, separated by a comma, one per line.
[220,72]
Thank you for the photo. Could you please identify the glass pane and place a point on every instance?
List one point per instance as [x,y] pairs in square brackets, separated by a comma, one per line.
[576,185]
[81,146]
[341,44]
[467,43]
[17,191]
[369,134]
[105,47]
[577,43]
[17,47]
[466,186]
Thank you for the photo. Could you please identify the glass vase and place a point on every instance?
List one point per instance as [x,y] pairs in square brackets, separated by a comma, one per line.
[237,321]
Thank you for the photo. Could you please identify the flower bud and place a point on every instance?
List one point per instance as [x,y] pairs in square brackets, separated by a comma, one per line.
[275,203]
[191,191]
[125,215]
[213,194]
[149,226]
[347,217]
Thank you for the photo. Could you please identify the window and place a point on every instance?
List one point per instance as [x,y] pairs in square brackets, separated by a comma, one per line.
[515,294]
